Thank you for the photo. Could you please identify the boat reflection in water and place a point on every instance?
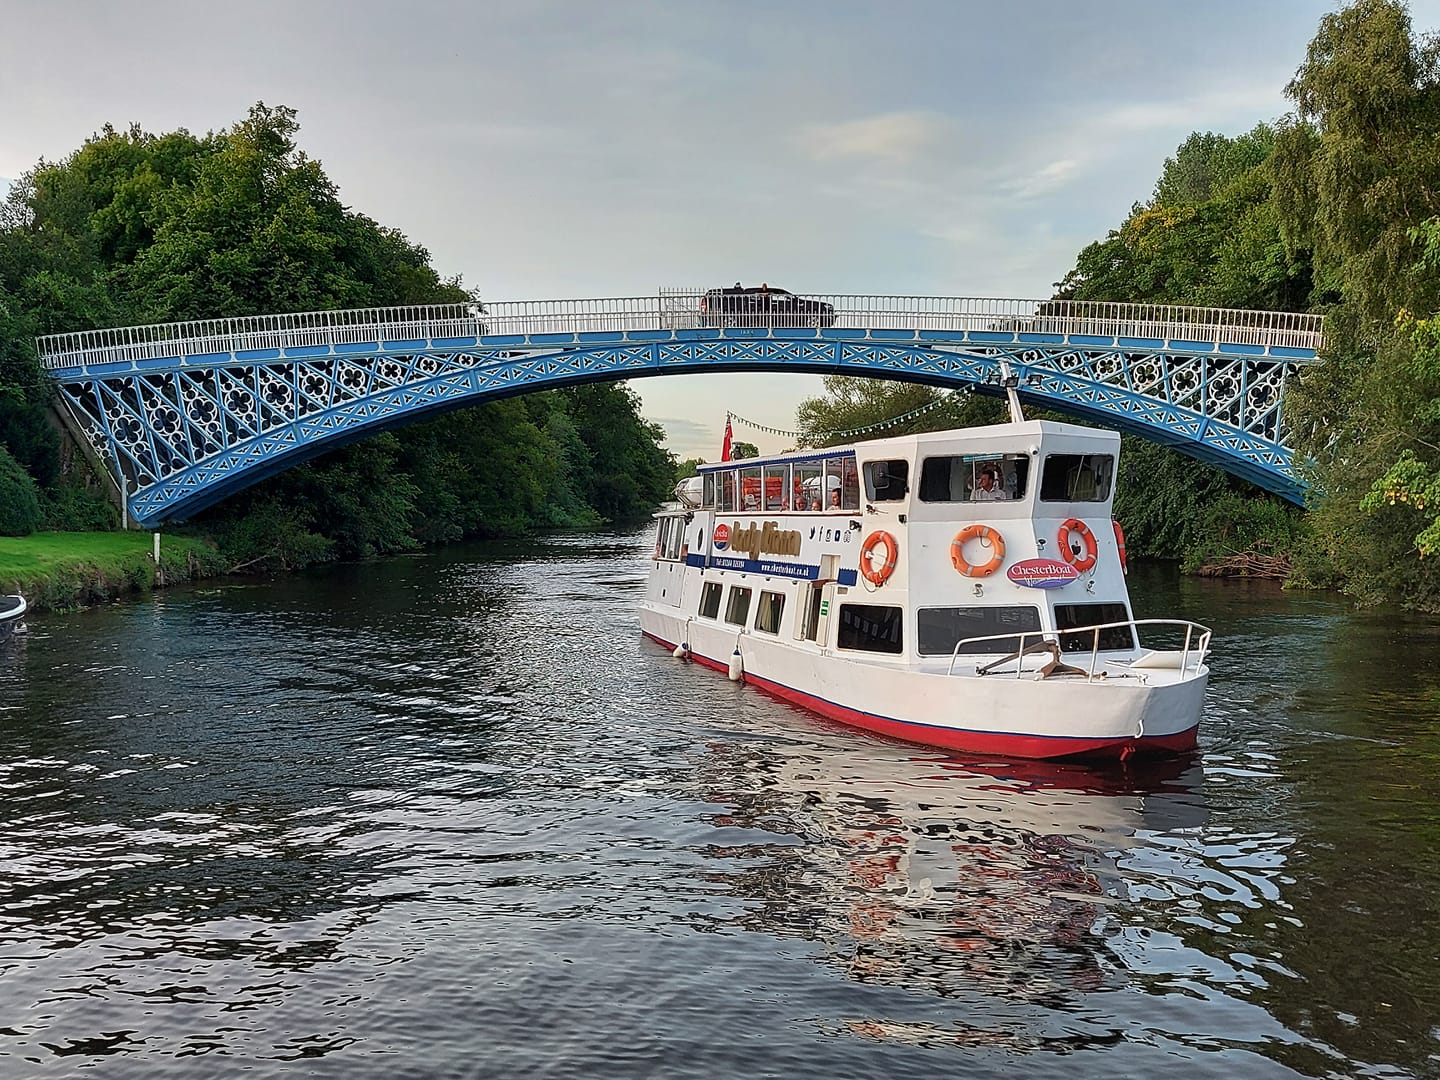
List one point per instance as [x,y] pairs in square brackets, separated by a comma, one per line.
[958,879]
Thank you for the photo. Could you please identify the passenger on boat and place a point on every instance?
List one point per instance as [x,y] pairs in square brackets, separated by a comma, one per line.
[835,499]
[815,504]
[987,489]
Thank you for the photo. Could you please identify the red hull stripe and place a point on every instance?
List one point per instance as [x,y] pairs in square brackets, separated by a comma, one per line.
[967,741]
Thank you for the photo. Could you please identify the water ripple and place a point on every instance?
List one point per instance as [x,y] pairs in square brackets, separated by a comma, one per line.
[449,815]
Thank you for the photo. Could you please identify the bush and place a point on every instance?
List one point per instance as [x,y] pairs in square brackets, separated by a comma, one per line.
[71,508]
[1248,534]
[19,498]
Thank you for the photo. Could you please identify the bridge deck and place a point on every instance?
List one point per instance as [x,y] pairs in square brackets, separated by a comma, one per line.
[677,313]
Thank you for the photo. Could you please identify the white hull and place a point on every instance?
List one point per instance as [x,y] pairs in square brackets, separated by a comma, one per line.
[1024,717]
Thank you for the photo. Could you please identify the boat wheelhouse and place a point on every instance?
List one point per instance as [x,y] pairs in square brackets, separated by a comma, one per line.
[961,589]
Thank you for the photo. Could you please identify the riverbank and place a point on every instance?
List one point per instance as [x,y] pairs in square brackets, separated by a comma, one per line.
[60,570]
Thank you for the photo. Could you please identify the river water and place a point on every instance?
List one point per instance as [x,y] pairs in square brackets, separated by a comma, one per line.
[450,816]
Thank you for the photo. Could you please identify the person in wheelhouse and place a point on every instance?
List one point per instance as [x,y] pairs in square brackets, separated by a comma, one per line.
[987,487]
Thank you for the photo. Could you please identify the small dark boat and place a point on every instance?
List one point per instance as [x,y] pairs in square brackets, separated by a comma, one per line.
[12,610]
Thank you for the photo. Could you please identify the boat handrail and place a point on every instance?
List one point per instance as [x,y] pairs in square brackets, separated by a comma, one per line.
[1202,646]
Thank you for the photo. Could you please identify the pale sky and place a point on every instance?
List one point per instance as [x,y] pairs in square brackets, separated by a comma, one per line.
[550,149]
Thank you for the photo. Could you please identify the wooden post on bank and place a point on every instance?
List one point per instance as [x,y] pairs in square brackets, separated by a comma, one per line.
[159,570]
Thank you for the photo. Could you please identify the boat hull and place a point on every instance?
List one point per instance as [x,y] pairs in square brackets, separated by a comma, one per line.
[12,610]
[1139,721]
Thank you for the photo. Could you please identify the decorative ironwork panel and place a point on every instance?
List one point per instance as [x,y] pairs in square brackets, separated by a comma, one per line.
[189,414]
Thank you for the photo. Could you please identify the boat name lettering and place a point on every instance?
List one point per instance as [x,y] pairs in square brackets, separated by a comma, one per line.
[1042,573]
[767,539]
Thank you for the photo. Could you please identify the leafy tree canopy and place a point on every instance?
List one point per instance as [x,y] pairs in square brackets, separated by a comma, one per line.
[135,227]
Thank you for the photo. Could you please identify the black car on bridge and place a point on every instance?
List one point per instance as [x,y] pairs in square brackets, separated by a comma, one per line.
[763,306]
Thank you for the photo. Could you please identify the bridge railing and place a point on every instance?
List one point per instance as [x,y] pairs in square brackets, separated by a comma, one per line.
[678,309]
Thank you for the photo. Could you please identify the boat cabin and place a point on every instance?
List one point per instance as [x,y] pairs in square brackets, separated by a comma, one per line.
[923,550]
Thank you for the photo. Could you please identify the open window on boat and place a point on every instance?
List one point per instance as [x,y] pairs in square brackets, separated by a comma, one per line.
[842,475]
[670,543]
[887,481]
[938,630]
[737,608]
[871,628]
[1071,616]
[768,612]
[710,599]
[707,496]
[1077,477]
[956,477]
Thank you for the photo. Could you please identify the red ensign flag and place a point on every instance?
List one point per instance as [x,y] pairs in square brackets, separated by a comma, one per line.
[725,449]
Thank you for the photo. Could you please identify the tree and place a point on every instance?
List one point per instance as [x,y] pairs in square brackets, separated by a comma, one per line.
[740,450]
[1358,179]
[688,468]
[857,407]
[135,227]
[1211,236]
[19,500]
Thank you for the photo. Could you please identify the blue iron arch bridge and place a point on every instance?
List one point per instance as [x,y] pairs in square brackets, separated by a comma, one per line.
[186,414]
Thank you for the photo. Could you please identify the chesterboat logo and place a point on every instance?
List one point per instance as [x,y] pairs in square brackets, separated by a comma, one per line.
[1042,573]
[722,536]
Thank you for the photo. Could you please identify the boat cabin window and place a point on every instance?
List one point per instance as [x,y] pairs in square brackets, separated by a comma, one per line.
[807,485]
[750,489]
[728,502]
[938,630]
[710,599]
[962,477]
[776,487]
[870,628]
[670,538]
[1077,477]
[768,612]
[887,481]
[1072,616]
[707,498]
[737,609]
[842,483]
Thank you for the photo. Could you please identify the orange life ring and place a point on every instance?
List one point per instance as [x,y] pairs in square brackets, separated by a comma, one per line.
[987,536]
[889,552]
[1120,543]
[1081,562]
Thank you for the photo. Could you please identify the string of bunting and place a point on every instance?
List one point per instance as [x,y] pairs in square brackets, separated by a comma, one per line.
[945,399]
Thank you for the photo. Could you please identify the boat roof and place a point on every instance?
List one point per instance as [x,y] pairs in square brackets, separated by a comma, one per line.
[1032,429]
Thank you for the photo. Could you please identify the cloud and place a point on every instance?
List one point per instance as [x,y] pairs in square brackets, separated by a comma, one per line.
[1046,180]
[896,138]
[688,438]
[1247,103]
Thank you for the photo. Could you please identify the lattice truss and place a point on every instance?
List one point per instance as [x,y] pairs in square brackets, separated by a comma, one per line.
[1230,403]
[179,434]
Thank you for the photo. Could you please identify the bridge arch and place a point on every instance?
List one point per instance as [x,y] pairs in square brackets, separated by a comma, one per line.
[188,414]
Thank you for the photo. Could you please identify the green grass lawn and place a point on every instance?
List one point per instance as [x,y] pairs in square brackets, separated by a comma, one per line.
[64,569]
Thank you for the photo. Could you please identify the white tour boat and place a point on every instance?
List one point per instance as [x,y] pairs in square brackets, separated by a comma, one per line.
[892,585]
